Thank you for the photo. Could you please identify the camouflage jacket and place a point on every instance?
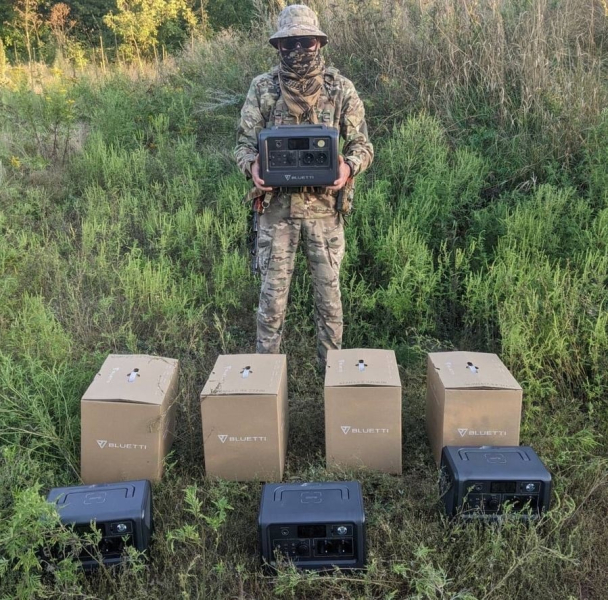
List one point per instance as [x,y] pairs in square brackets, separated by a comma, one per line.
[339,106]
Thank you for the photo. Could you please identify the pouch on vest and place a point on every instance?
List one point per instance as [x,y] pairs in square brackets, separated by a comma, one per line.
[344,202]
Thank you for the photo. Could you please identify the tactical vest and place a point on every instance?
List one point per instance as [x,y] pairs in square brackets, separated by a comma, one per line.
[275,111]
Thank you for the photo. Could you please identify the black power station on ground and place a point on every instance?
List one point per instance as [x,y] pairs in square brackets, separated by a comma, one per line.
[122,512]
[489,482]
[314,525]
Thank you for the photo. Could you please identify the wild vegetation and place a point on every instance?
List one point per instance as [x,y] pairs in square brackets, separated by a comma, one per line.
[482,225]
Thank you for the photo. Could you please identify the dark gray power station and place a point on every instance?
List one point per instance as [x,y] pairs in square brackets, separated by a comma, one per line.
[121,511]
[298,155]
[315,525]
[480,482]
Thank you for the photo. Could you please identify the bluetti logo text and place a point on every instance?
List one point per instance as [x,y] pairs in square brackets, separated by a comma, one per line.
[299,177]
[242,438]
[105,444]
[347,429]
[488,432]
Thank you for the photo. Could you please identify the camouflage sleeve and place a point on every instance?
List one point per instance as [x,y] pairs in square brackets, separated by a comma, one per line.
[250,125]
[358,150]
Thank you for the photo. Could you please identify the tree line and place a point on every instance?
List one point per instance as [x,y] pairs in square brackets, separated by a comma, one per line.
[47,30]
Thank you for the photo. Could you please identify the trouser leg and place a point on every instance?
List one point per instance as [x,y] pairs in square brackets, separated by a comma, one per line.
[278,242]
[325,248]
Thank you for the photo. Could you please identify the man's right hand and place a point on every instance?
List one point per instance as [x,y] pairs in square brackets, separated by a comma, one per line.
[255,176]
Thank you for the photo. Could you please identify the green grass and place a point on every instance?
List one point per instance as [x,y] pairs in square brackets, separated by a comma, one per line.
[122,230]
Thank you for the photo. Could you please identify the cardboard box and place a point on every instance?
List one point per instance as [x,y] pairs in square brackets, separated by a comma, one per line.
[472,400]
[128,418]
[363,409]
[245,417]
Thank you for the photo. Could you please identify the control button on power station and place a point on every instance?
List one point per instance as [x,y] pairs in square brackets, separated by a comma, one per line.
[530,487]
[493,503]
[120,528]
[342,530]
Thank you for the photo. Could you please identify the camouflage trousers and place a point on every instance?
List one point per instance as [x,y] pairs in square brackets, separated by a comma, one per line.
[279,236]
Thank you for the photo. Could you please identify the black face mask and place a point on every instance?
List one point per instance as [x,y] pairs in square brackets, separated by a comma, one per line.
[301,61]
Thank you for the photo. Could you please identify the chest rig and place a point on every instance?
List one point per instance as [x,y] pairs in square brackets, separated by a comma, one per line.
[274,108]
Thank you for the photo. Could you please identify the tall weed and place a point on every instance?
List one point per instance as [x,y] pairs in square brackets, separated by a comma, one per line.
[543,296]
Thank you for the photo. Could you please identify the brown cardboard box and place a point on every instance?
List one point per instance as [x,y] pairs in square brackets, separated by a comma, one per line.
[472,400]
[245,417]
[128,418]
[363,409]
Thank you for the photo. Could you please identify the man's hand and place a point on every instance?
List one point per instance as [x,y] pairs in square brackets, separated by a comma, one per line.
[255,176]
[344,174]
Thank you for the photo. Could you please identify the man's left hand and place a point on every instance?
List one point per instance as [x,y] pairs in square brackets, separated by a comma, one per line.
[344,175]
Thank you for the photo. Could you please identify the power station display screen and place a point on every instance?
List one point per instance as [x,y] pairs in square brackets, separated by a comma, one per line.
[298,143]
[503,487]
[311,531]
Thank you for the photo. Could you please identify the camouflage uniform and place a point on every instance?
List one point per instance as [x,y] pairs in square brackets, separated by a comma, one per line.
[309,210]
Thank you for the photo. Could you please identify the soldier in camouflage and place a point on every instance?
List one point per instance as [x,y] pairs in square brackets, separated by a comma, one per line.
[301,90]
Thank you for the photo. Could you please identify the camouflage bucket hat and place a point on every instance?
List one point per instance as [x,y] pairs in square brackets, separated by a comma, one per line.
[295,21]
